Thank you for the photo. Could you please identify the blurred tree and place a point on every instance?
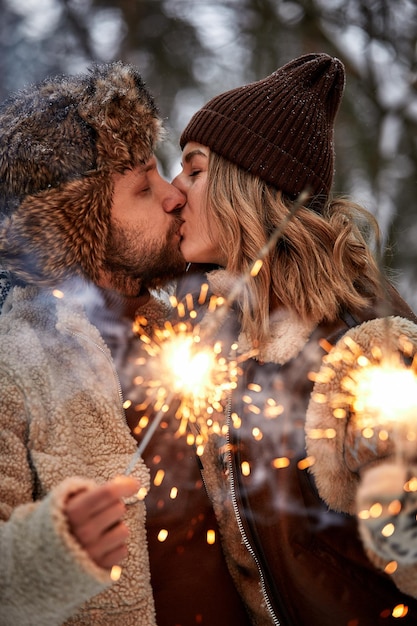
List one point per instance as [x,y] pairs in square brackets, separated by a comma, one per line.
[189,50]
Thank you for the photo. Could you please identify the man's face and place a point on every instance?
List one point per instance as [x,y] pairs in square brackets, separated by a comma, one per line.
[143,244]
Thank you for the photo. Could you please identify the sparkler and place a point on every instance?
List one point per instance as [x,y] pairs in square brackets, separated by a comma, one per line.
[382,393]
[197,377]
[379,389]
[374,401]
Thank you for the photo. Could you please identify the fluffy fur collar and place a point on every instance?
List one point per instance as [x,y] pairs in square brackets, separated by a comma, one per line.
[288,332]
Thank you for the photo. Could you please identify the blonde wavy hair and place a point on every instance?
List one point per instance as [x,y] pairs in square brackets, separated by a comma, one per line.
[321,264]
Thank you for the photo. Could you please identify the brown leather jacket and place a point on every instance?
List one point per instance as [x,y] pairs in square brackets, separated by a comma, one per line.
[294,561]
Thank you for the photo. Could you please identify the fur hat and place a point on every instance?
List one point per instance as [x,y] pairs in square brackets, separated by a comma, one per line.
[279,128]
[60,141]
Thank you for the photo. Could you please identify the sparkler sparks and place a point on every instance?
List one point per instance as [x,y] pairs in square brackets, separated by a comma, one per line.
[382,393]
[181,370]
[373,399]
[378,390]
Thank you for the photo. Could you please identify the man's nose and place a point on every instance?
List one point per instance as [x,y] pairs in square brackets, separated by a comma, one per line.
[175,199]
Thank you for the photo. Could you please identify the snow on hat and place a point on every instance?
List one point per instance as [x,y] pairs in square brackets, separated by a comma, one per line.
[279,128]
[60,141]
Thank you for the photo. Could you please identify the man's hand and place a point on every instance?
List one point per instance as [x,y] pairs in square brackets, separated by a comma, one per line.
[96,520]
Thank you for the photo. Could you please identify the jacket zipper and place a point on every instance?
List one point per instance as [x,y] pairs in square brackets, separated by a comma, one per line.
[246,542]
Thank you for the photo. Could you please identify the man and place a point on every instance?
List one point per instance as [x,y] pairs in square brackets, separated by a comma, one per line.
[85,219]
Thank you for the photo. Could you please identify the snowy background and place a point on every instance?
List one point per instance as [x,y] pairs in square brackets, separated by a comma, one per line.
[190,50]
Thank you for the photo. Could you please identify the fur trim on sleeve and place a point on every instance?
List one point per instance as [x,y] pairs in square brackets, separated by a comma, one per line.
[43,560]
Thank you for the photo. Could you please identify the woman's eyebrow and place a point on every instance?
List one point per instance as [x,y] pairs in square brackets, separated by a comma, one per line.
[193,153]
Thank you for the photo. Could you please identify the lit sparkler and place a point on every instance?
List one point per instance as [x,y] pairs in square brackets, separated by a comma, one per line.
[384,394]
[180,370]
[384,400]
[379,390]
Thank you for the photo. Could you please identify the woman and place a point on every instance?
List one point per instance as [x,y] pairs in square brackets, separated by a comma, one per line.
[258,160]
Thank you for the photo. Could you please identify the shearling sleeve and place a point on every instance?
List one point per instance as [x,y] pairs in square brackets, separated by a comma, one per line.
[44,575]
[355,461]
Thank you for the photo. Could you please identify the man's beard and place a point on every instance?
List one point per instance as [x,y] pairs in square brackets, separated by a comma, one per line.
[133,263]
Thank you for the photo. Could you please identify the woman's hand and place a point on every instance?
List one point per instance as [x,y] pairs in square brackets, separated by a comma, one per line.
[387,509]
[96,520]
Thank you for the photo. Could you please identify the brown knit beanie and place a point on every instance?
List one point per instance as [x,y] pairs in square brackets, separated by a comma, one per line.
[60,141]
[279,128]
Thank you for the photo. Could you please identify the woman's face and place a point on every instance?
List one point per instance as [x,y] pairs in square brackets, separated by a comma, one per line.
[199,235]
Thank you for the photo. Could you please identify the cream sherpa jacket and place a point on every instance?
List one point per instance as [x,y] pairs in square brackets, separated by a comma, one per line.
[61,418]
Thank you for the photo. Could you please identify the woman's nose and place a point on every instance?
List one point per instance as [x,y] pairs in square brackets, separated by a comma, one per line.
[178,183]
